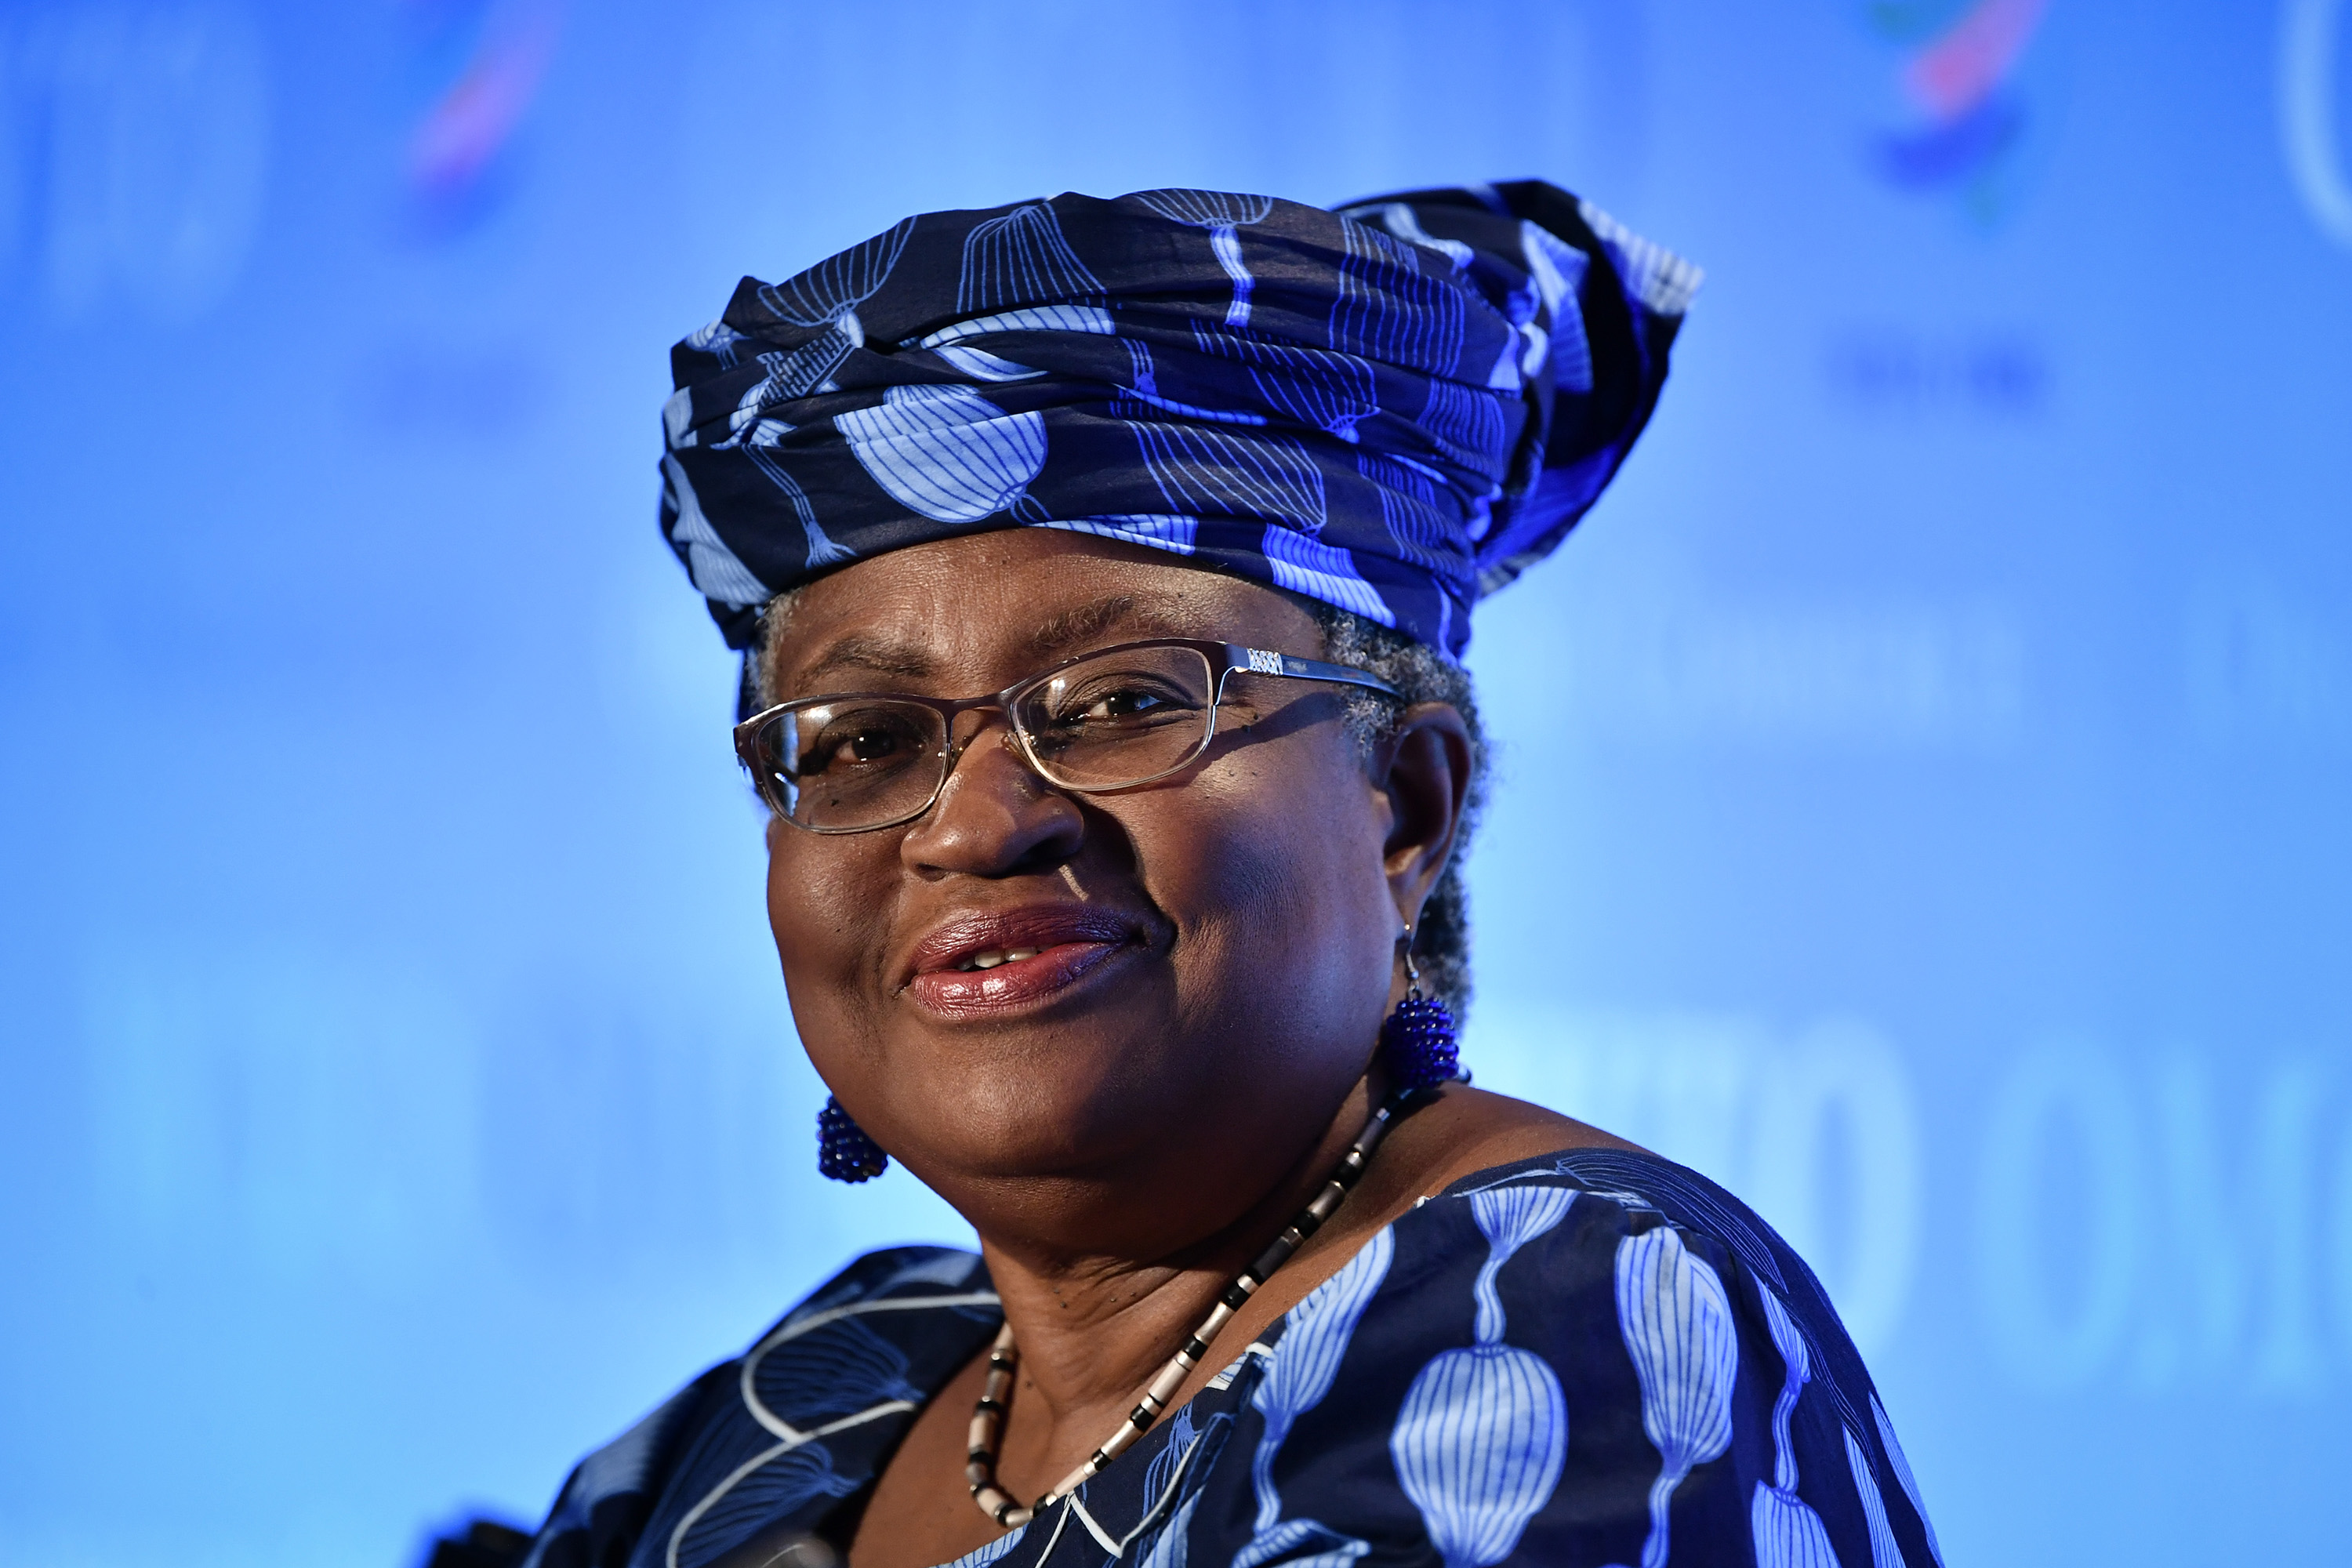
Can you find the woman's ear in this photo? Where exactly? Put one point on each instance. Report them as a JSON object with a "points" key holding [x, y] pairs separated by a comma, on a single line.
{"points": [[1424, 770]]}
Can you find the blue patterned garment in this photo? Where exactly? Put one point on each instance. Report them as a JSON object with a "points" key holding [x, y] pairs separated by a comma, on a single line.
{"points": [[1589, 1358], [1393, 408]]}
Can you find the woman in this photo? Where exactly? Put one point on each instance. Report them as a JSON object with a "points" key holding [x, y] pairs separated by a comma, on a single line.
{"points": [[1100, 569]]}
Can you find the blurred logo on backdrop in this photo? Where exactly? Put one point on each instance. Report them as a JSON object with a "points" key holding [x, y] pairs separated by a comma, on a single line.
{"points": [[2164, 1219], [458, 158], [2310, 114], [476, 66], [1971, 125]]}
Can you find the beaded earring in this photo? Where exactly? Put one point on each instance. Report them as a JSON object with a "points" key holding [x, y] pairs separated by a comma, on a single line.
{"points": [[1419, 1035], [844, 1152]]}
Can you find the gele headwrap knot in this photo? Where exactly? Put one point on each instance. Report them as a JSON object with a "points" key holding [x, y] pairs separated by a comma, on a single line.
{"points": [[1394, 407]]}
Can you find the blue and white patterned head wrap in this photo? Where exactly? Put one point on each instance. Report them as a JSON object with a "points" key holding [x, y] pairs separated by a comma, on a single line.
{"points": [[1394, 408]]}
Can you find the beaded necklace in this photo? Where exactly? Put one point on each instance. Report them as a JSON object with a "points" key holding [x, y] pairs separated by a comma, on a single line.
{"points": [[988, 1415]]}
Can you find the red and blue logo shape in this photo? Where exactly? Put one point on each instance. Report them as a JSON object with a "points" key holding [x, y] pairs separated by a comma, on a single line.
{"points": [[1969, 116]]}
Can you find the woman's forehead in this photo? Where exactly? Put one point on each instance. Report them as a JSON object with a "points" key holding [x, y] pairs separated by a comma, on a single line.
{"points": [[1009, 602]]}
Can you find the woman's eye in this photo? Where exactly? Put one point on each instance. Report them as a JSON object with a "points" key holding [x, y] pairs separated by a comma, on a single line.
{"points": [[853, 743], [1128, 703]]}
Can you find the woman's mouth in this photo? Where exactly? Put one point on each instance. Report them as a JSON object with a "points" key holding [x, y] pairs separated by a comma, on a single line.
{"points": [[999, 963], [992, 958]]}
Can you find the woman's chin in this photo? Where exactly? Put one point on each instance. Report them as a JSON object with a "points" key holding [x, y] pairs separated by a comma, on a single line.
{"points": [[1087, 1113]]}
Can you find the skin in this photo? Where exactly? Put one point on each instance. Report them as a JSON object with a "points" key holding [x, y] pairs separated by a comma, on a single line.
{"points": [[1126, 1133]]}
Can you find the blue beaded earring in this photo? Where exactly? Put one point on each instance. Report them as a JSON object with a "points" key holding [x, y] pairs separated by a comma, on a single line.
{"points": [[1419, 1035], [844, 1152]]}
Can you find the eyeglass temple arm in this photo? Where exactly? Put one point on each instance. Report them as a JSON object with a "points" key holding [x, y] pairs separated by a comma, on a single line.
{"points": [[1265, 661]]}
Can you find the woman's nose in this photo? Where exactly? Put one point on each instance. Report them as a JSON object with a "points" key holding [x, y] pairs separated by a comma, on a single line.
{"points": [[995, 816]]}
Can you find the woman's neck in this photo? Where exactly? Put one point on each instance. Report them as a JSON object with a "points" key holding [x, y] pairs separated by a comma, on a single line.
{"points": [[1094, 1325], [1092, 1328]]}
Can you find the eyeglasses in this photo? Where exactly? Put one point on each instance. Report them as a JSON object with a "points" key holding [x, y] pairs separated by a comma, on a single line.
{"points": [[1104, 721]]}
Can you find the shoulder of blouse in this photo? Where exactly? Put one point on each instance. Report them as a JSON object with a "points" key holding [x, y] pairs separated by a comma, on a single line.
{"points": [[1668, 1249], [606, 1501], [1649, 1190], [1612, 1294]]}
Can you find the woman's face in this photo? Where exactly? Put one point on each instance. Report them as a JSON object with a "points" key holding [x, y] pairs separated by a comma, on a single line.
{"points": [[1211, 955]]}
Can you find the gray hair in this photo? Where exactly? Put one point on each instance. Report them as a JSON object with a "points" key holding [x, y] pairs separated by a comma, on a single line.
{"points": [[1441, 943]]}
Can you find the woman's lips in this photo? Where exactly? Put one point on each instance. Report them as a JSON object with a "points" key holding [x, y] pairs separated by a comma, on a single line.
{"points": [[997, 962], [1013, 983]]}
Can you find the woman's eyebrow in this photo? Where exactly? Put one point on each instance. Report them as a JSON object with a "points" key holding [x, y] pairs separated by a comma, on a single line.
{"points": [[1144, 615], [1147, 616], [858, 650]]}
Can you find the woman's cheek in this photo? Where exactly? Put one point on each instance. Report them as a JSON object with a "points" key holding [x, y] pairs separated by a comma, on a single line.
{"points": [[831, 929], [1240, 875]]}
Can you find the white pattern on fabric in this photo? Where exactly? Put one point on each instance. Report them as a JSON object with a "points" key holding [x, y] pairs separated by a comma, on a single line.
{"points": [[784, 1478], [623, 1465], [677, 420], [835, 1373], [1092, 320], [718, 340], [1789, 1534], [835, 287], [716, 571], [981, 365], [981, 1556], [1797, 1360], [758, 445], [804, 1323], [1208, 472], [719, 1462], [1160, 531], [1483, 1433], [1288, 1545], [1333, 331], [1461, 421], [948, 341], [1388, 310], [1557, 269], [1168, 1548], [1021, 258], [794, 376], [1509, 1217], [1883, 1551], [1325, 391], [1172, 1469], [848, 1368], [1399, 220], [1219, 212], [946, 452], [943, 1266], [1409, 506], [1307, 565], [1143, 386], [1903, 1476], [1677, 1321], [1655, 276], [1297, 1375]]}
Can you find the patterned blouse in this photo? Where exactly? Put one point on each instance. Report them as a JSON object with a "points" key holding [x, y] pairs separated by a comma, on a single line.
{"points": [[1592, 1357]]}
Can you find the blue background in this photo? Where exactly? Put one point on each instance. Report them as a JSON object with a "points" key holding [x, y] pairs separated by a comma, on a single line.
{"points": [[1923, 781]]}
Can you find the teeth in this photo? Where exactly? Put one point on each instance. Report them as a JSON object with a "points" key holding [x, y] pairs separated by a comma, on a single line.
{"points": [[994, 957]]}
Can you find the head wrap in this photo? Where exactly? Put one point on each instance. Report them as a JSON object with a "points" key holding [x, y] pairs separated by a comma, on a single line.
{"points": [[1394, 407]]}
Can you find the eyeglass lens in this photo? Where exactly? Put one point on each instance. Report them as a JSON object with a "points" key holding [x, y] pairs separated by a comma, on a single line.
{"points": [[1132, 715]]}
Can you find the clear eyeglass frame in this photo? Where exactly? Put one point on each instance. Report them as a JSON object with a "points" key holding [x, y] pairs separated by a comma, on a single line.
{"points": [[914, 782]]}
